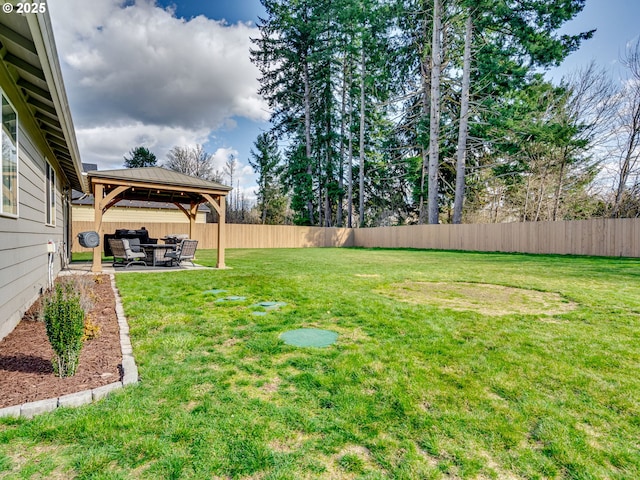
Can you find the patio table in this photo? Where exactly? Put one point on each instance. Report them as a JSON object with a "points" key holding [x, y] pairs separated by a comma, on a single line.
{"points": [[155, 252]]}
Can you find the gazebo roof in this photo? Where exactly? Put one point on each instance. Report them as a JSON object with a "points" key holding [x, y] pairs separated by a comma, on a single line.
{"points": [[156, 184]]}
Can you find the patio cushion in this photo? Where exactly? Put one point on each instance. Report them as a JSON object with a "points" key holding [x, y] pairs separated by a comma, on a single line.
{"points": [[134, 243], [130, 253]]}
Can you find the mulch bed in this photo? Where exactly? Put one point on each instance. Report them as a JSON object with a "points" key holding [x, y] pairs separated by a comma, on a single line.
{"points": [[26, 373]]}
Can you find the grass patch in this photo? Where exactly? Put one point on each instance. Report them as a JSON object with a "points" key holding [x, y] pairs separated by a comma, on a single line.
{"points": [[87, 257], [443, 369], [480, 297]]}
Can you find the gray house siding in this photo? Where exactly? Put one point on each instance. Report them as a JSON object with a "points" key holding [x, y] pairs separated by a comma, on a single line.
{"points": [[31, 81], [23, 241]]}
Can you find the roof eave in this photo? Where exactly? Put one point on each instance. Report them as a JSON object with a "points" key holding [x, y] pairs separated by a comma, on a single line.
{"points": [[42, 32]]}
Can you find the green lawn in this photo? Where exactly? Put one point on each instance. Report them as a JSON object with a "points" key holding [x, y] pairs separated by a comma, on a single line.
{"points": [[438, 372]]}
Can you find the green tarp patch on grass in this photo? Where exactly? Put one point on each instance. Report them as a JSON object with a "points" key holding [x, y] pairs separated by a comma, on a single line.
{"points": [[269, 305], [231, 298], [309, 337]]}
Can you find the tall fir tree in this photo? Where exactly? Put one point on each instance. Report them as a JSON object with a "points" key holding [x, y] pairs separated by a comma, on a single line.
{"points": [[266, 162]]}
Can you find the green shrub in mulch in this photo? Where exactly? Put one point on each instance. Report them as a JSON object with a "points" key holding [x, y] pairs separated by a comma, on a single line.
{"points": [[64, 320]]}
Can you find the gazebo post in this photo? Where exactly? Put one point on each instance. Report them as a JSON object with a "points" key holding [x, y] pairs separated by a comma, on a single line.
{"points": [[97, 225], [193, 213], [221, 227], [220, 207], [101, 204]]}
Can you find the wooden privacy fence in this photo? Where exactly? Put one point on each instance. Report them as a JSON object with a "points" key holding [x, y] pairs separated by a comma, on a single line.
{"points": [[236, 235], [599, 237]]}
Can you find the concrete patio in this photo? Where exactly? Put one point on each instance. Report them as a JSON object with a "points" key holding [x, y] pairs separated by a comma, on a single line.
{"points": [[108, 268]]}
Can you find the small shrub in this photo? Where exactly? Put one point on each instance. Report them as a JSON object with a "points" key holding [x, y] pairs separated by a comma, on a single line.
{"points": [[83, 285], [91, 329], [64, 321]]}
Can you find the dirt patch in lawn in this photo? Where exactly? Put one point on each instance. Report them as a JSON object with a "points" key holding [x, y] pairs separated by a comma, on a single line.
{"points": [[26, 374], [484, 298]]}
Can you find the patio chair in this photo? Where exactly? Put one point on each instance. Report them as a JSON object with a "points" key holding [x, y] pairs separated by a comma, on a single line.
{"points": [[186, 250], [123, 255]]}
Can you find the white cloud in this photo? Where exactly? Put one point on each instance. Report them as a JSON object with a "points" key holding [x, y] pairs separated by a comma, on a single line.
{"points": [[244, 174], [137, 75], [221, 156], [122, 138]]}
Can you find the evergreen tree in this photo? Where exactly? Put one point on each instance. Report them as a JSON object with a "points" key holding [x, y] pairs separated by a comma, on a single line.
{"points": [[416, 105], [140, 157], [285, 53], [266, 162], [306, 53]]}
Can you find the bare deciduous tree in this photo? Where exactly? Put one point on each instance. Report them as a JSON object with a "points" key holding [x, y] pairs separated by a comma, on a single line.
{"points": [[589, 111], [628, 128], [193, 161], [229, 170]]}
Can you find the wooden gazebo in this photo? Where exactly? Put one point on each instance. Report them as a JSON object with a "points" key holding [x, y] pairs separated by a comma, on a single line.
{"points": [[156, 184]]}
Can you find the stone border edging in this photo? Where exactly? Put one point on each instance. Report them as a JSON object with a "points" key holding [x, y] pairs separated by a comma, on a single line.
{"points": [[129, 376]]}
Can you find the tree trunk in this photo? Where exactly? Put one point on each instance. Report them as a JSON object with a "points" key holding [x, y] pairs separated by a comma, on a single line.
{"points": [[523, 217], [543, 184], [350, 173], [434, 121], [320, 190], [343, 119], [623, 178], [424, 152], [558, 193], [362, 113], [461, 154], [327, 200], [329, 172], [307, 135]]}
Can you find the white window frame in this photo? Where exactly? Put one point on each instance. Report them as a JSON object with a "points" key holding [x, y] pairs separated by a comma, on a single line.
{"points": [[50, 194], [16, 185]]}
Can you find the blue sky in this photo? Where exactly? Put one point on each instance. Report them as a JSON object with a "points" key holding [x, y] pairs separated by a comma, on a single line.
{"points": [[617, 22], [165, 73], [231, 10]]}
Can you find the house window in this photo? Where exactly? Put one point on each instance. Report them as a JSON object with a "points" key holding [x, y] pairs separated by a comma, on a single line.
{"points": [[9, 141], [50, 191]]}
